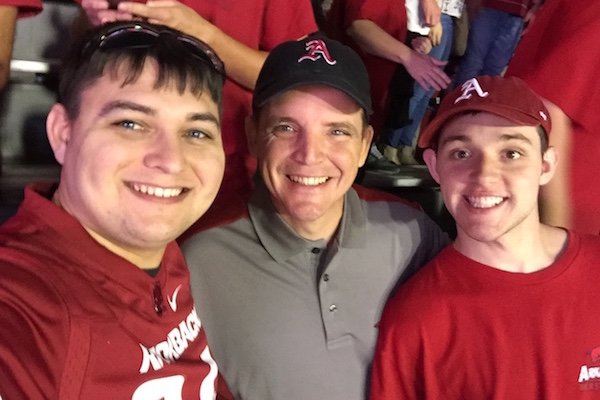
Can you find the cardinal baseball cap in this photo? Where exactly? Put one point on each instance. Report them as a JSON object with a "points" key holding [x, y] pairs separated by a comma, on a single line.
{"points": [[507, 97], [314, 60]]}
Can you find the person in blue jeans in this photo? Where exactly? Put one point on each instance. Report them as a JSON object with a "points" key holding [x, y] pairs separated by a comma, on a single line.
{"points": [[400, 148], [494, 34]]}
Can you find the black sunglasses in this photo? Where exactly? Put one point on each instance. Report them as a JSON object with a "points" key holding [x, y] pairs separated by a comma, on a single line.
{"points": [[131, 35]]}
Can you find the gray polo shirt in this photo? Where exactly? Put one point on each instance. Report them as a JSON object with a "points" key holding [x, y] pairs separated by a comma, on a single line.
{"points": [[289, 318]]}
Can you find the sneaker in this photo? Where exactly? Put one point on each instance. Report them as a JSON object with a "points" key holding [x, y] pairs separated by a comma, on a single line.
{"points": [[375, 151], [391, 154], [406, 155], [381, 165]]}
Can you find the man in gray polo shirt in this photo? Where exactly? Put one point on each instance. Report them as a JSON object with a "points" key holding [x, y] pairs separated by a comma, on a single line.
{"points": [[290, 286]]}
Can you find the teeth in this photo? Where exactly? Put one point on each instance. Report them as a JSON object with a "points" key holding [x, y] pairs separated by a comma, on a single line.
{"points": [[164, 193], [485, 202], [309, 180]]}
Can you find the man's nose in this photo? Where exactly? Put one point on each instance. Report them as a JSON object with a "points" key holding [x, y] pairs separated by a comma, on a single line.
{"points": [[165, 152], [309, 147]]}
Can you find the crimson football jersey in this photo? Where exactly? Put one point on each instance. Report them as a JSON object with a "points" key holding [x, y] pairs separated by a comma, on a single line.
{"points": [[79, 322]]}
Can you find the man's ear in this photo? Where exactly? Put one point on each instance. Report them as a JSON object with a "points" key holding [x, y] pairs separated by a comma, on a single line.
{"points": [[367, 138], [251, 134], [430, 158], [58, 129], [549, 163]]}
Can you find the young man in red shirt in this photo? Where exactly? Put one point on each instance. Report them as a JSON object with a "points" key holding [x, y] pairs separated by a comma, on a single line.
{"points": [[504, 312], [94, 292]]}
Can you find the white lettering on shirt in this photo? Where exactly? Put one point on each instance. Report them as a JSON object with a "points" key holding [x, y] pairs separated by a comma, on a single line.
{"points": [[176, 342]]}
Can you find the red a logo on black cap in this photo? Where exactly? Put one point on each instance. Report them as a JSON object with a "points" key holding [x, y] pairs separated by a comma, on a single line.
{"points": [[315, 50]]}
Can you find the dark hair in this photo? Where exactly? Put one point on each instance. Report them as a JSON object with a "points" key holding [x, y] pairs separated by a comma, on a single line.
{"points": [[86, 62], [543, 138]]}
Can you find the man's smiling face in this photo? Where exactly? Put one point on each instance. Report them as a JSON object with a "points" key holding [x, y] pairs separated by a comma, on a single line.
{"points": [[309, 143], [489, 171], [140, 164]]}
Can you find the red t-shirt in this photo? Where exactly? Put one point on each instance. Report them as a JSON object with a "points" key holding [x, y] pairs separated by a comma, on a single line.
{"points": [[463, 330], [558, 58], [79, 322]]}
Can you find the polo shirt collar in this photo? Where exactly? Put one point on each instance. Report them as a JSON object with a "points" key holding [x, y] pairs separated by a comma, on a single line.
{"points": [[282, 242]]}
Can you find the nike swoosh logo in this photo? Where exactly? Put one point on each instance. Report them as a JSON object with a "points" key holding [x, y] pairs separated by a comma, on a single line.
{"points": [[173, 301]]}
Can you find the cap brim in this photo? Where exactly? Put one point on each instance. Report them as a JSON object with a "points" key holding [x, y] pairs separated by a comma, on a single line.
{"points": [[511, 114], [310, 78]]}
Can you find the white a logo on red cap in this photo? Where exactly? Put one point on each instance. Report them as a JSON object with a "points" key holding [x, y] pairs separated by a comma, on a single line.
{"points": [[468, 87], [317, 49]]}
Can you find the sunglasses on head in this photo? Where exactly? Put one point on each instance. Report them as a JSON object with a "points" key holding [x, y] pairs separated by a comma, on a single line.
{"points": [[132, 35]]}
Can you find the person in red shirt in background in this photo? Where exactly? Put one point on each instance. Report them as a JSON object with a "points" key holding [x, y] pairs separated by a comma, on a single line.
{"points": [[558, 57], [242, 33]]}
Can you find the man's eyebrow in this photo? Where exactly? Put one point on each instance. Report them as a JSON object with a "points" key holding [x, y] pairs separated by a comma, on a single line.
{"points": [[126, 105], [504, 137], [205, 116], [341, 124], [279, 119], [515, 136], [454, 138], [348, 126], [132, 106]]}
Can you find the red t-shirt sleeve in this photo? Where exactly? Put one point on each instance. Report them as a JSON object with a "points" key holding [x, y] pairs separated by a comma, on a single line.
{"points": [[557, 57]]}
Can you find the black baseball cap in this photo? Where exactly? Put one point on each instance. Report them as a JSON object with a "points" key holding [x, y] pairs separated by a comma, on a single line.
{"points": [[314, 60]]}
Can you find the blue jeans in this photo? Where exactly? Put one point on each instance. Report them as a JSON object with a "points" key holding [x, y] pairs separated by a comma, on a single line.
{"points": [[420, 99], [493, 37]]}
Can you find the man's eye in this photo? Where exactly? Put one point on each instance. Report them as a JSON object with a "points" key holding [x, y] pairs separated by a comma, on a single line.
{"points": [[460, 154], [340, 132], [513, 154], [196, 134], [128, 124], [282, 128]]}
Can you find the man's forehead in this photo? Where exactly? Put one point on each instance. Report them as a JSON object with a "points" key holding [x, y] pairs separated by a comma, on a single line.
{"points": [[329, 94], [470, 127]]}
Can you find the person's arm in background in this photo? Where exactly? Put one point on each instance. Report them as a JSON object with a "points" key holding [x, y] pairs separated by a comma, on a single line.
{"points": [[421, 44], [427, 71], [435, 34], [8, 21], [242, 63], [555, 202], [430, 11]]}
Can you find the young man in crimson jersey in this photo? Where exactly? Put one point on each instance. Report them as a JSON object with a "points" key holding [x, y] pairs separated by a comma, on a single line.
{"points": [[507, 311], [94, 293]]}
